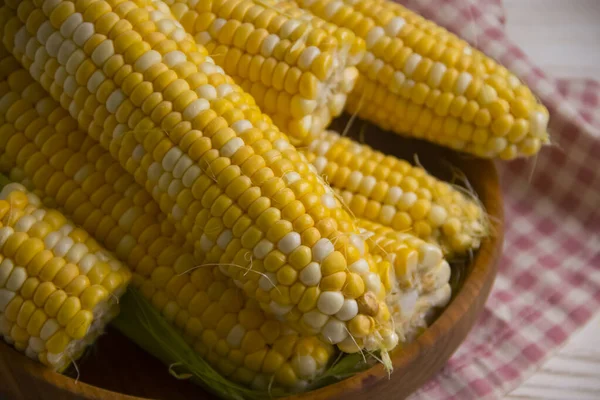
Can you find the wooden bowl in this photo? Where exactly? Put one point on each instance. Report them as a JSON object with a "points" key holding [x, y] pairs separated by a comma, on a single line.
{"points": [[118, 369]]}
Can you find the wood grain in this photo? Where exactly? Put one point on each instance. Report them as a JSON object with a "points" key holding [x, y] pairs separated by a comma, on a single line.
{"points": [[573, 372], [560, 36], [117, 369]]}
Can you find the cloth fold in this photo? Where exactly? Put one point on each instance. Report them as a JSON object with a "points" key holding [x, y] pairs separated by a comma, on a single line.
{"points": [[548, 283]]}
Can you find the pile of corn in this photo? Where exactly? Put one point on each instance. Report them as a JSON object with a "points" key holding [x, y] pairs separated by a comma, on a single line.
{"points": [[166, 130]]}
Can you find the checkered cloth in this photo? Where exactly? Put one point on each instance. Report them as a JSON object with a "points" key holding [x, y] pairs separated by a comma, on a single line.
{"points": [[548, 284]]}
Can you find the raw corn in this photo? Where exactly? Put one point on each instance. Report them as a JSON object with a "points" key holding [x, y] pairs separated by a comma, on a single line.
{"points": [[298, 68], [223, 170], [233, 333], [58, 288], [414, 277], [392, 192], [419, 80], [79, 156], [421, 277]]}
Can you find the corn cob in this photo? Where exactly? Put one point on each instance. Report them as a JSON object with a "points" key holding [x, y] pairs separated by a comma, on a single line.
{"points": [[257, 183], [392, 192], [231, 332], [58, 288], [418, 79], [421, 284], [298, 68], [116, 192], [413, 275]]}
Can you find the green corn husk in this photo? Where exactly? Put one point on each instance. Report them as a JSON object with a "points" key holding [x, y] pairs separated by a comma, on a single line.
{"points": [[140, 322], [4, 181]]}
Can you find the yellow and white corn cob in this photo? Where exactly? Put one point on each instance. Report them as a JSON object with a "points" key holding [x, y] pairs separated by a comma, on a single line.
{"points": [[412, 274], [58, 288], [419, 274], [298, 68], [81, 158], [259, 204], [417, 79], [233, 334], [392, 192]]}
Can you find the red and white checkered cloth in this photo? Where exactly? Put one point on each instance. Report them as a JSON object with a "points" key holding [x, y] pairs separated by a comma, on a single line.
{"points": [[548, 284]]}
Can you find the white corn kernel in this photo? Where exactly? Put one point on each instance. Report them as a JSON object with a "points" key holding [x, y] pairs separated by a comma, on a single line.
{"points": [[50, 327], [348, 311], [429, 255], [334, 331], [16, 279], [268, 45], [360, 267], [63, 246], [373, 36], [278, 309], [330, 303], [304, 366], [267, 281], [412, 63], [241, 126], [235, 336], [309, 54], [231, 147], [394, 26], [315, 319], [171, 158], [52, 239], [332, 8], [463, 82], [311, 274], [328, 200], [83, 32], [224, 238], [87, 263], [407, 200], [373, 282], [289, 242], [24, 223], [174, 58], [322, 249], [103, 52], [262, 249], [195, 108], [359, 243], [77, 252], [5, 297]]}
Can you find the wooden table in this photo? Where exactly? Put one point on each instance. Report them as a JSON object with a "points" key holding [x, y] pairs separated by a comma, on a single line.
{"points": [[563, 37]]}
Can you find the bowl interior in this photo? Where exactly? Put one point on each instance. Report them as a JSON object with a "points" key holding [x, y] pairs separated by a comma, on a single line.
{"points": [[117, 369]]}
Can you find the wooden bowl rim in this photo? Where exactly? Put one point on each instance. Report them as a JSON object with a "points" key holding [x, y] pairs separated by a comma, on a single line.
{"points": [[459, 305]]}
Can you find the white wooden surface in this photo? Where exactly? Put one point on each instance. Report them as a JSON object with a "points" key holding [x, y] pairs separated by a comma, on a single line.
{"points": [[573, 373], [563, 38]]}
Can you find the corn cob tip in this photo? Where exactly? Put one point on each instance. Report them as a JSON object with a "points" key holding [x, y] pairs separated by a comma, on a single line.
{"points": [[392, 192], [56, 295], [419, 80], [299, 68]]}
